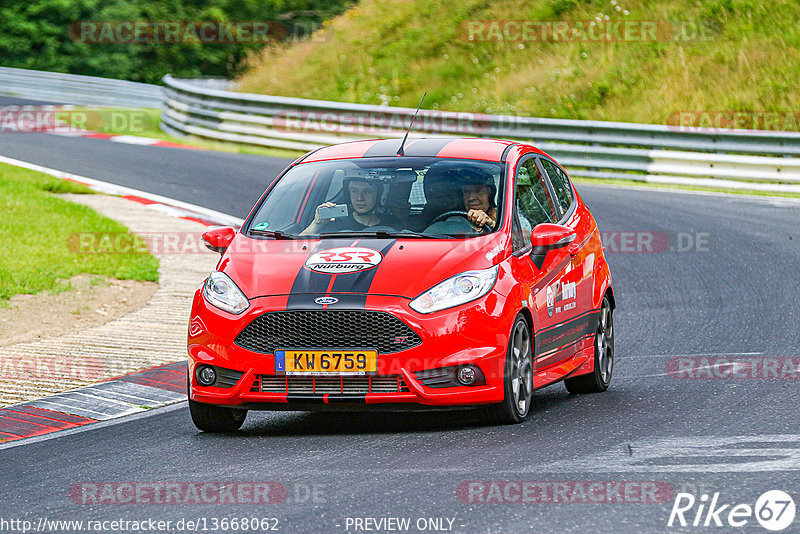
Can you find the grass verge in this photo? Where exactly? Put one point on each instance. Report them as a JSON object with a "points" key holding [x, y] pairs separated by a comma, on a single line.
{"points": [[35, 229], [714, 55]]}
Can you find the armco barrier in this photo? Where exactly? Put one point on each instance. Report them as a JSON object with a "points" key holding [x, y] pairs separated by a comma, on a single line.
{"points": [[762, 160], [758, 160], [58, 88]]}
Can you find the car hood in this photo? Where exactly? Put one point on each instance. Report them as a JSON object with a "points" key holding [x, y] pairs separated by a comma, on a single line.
{"points": [[401, 267]]}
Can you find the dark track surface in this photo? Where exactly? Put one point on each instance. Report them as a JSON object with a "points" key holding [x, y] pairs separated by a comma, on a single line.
{"points": [[737, 294], [14, 101]]}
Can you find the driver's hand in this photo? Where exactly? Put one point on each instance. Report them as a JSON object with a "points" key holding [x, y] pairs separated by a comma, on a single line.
{"points": [[479, 219]]}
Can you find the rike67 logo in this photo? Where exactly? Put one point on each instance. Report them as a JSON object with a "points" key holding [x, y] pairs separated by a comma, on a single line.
{"points": [[774, 510]]}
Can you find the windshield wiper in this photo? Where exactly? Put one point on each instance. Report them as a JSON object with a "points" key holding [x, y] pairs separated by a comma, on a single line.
{"points": [[381, 234], [272, 233]]}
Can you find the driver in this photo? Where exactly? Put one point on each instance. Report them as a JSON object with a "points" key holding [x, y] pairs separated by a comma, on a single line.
{"points": [[363, 200], [479, 193]]}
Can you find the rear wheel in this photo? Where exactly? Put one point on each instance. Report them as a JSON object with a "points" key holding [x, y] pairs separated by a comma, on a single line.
{"points": [[211, 418], [518, 378], [598, 380]]}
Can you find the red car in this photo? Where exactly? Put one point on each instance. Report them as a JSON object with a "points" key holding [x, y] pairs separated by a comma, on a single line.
{"points": [[445, 273]]}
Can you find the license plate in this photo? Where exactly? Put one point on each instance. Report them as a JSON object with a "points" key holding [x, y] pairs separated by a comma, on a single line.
{"points": [[326, 361]]}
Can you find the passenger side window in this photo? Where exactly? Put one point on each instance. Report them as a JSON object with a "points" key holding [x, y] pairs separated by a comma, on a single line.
{"points": [[560, 183], [534, 205]]}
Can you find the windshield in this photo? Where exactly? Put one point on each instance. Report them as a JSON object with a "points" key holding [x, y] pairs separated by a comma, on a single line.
{"points": [[423, 197]]}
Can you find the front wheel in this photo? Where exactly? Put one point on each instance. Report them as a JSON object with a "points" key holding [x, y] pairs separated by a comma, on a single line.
{"points": [[598, 380], [518, 378], [211, 418]]}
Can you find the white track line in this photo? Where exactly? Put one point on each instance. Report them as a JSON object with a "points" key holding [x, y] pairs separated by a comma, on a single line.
{"points": [[113, 189]]}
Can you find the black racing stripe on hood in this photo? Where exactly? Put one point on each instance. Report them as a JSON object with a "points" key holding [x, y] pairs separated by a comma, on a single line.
{"points": [[358, 284], [361, 281], [347, 301], [308, 281]]}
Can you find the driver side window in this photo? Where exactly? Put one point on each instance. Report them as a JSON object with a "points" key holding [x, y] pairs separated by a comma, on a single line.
{"points": [[533, 204]]}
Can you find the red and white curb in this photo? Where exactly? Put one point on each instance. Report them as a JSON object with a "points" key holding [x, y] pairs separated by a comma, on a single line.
{"points": [[124, 396], [165, 205], [23, 119], [127, 139], [119, 397]]}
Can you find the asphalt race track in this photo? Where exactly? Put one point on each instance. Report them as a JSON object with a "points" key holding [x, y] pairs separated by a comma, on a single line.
{"points": [[712, 276]]}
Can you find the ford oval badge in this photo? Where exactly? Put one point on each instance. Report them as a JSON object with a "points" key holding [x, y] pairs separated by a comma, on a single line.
{"points": [[326, 300]]}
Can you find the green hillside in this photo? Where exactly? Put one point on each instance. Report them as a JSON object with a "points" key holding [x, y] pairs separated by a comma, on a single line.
{"points": [[741, 55]]}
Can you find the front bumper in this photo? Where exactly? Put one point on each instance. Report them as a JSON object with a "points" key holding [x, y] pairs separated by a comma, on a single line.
{"points": [[475, 333]]}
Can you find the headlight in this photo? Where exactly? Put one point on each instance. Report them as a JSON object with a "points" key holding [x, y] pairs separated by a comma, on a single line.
{"points": [[459, 289], [220, 291]]}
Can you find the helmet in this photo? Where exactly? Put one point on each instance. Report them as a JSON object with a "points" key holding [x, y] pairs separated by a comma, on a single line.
{"points": [[374, 184]]}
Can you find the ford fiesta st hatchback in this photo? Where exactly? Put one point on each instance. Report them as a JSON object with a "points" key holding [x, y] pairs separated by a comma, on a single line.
{"points": [[464, 272]]}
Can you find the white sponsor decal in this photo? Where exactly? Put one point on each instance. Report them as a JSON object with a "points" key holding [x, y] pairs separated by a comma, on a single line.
{"points": [[344, 260], [567, 291]]}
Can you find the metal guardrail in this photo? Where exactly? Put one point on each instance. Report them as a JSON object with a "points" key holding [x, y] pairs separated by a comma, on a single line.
{"points": [[58, 88], [761, 160]]}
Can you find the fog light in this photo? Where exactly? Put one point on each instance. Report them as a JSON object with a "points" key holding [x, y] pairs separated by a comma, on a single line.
{"points": [[206, 375], [466, 375]]}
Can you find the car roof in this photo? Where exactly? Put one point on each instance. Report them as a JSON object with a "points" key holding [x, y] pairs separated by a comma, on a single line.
{"points": [[440, 147]]}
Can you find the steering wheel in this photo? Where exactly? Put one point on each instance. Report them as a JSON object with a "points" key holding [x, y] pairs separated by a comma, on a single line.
{"points": [[458, 213]]}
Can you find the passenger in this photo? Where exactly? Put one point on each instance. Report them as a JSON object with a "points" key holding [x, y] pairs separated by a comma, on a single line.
{"points": [[363, 201]]}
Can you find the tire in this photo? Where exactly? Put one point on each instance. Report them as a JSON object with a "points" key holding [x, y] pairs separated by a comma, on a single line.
{"points": [[517, 379], [598, 380], [211, 418]]}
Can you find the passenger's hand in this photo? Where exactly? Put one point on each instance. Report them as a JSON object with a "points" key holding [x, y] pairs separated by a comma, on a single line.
{"points": [[317, 220], [479, 219], [316, 224]]}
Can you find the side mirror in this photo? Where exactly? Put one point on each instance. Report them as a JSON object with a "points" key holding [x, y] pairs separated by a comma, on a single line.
{"points": [[219, 239], [546, 237]]}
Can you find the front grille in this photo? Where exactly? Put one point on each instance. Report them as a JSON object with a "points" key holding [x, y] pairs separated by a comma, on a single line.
{"points": [[339, 329], [320, 385]]}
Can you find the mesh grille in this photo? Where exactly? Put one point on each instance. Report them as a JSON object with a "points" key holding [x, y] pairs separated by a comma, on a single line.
{"points": [[320, 385], [340, 329]]}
